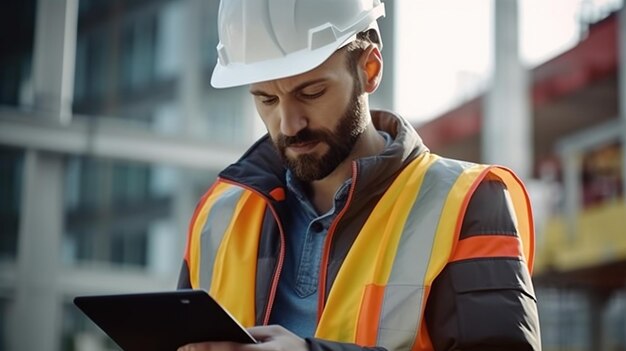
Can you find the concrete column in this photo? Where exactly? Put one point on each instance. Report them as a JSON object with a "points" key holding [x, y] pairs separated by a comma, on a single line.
{"points": [[506, 132], [54, 56], [191, 79], [621, 42], [36, 311]]}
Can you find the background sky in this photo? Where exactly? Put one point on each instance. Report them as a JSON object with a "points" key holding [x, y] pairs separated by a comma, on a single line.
{"points": [[444, 47]]}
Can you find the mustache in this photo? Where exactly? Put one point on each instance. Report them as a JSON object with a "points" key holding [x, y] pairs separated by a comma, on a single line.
{"points": [[303, 136]]}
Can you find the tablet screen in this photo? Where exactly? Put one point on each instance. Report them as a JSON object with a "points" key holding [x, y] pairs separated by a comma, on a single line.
{"points": [[162, 320]]}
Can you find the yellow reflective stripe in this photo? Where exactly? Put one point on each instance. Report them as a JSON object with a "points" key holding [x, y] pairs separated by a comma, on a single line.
{"points": [[451, 219], [234, 274], [213, 232], [456, 205], [406, 287], [196, 233], [371, 257], [402, 204], [523, 212]]}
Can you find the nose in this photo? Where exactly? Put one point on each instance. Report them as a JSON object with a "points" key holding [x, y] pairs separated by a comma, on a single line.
{"points": [[292, 118]]}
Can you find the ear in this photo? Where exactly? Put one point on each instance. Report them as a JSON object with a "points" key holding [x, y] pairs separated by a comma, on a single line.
{"points": [[372, 65]]}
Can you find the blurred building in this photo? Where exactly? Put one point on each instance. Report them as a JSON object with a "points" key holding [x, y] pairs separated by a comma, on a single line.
{"points": [[576, 122], [109, 134]]}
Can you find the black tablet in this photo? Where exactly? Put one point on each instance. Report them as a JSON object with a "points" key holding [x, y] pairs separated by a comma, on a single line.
{"points": [[162, 321]]}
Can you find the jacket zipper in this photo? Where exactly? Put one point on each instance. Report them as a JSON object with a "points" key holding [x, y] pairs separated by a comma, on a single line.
{"points": [[281, 253], [321, 296]]}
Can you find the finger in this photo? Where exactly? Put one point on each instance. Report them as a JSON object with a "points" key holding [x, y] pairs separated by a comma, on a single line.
{"points": [[266, 331]]}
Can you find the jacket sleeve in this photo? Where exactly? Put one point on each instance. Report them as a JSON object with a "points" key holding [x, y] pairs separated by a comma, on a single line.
{"points": [[484, 303]]}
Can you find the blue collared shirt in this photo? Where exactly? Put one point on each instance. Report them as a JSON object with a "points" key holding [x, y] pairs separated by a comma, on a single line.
{"points": [[296, 298], [295, 307]]}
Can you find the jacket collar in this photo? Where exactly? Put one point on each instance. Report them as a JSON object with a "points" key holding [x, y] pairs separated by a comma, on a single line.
{"points": [[261, 168]]}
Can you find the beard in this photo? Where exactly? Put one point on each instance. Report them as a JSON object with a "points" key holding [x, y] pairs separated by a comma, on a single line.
{"points": [[341, 141]]}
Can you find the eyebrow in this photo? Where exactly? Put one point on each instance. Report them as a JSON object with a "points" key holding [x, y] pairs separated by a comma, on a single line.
{"points": [[258, 92]]}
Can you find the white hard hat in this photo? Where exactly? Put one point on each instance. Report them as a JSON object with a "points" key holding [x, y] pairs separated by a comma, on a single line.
{"points": [[270, 39]]}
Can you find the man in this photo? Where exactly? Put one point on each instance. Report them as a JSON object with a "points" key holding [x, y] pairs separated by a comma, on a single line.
{"points": [[339, 230]]}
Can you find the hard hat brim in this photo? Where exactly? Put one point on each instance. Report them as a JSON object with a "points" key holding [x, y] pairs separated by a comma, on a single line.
{"points": [[238, 74]]}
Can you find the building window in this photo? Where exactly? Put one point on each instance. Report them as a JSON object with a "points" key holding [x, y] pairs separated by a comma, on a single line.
{"points": [[3, 324], [114, 210], [116, 73], [565, 318], [11, 168], [615, 321], [602, 174], [17, 25]]}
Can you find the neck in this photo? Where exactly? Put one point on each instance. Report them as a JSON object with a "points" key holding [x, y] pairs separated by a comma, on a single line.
{"points": [[322, 191]]}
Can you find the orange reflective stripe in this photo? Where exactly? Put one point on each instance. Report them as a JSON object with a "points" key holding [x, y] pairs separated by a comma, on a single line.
{"points": [[523, 212], [487, 246], [234, 274], [369, 316]]}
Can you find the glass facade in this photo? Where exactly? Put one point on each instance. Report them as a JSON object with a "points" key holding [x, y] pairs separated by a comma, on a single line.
{"points": [[17, 25], [130, 68], [115, 210], [117, 50], [11, 167], [3, 324], [567, 314], [122, 219], [564, 317], [615, 319]]}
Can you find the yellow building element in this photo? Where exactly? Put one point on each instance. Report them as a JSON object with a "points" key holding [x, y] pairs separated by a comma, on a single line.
{"points": [[598, 236]]}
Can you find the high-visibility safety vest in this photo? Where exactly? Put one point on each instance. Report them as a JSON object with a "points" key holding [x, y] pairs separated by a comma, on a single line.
{"points": [[379, 294]]}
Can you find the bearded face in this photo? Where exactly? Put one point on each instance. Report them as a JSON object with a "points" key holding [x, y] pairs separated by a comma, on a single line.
{"points": [[308, 167]]}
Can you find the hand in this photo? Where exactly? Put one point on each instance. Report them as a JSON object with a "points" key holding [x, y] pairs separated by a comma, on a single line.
{"points": [[270, 338]]}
